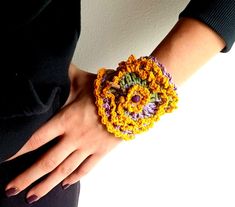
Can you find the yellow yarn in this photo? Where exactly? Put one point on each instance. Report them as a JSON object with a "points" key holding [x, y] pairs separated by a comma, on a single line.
{"points": [[143, 79]]}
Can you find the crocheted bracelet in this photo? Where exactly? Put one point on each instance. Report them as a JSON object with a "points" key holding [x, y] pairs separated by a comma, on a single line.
{"points": [[132, 97]]}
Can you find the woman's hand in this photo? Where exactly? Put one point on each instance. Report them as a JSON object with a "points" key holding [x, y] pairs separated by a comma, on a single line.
{"points": [[83, 141]]}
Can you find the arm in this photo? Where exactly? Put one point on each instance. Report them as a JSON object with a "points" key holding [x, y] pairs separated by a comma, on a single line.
{"points": [[205, 28], [187, 47]]}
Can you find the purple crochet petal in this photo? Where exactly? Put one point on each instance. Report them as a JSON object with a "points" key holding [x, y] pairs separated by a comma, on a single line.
{"points": [[106, 105], [150, 109]]}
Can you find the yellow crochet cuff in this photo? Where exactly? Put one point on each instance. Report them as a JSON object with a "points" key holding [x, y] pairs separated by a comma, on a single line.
{"points": [[132, 97]]}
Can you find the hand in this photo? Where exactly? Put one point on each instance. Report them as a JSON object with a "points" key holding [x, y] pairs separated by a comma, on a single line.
{"points": [[83, 141]]}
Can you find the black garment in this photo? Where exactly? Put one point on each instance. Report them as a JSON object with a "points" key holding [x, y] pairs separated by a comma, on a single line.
{"points": [[37, 41], [217, 14]]}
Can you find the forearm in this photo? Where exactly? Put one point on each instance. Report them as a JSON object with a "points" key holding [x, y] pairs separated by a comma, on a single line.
{"points": [[188, 46]]}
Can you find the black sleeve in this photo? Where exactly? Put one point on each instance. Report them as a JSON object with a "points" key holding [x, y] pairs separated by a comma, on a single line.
{"points": [[217, 14]]}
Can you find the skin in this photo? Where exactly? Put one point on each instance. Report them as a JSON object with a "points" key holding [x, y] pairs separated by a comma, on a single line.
{"points": [[185, 49]]}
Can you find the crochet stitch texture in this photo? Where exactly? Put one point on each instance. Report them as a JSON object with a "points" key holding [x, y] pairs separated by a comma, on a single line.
{"points": [[134, 96]]}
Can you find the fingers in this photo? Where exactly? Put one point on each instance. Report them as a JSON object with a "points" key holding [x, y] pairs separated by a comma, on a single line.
{"points": [[48, 162], [76, 165], [82, 170], [51, 129], [61, 172]]}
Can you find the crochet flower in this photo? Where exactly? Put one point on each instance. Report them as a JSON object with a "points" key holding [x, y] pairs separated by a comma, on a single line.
{"points": [[131, 98]]}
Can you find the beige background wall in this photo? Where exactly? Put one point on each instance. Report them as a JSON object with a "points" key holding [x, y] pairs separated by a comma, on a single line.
{"points": [[111, 30]]}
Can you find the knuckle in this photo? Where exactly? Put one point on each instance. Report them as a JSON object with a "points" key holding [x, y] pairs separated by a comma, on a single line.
{"points": [[82, 172], [35, 141], [48, 164], [64, 170], [62, 122], [67, 116], [64, 118]]}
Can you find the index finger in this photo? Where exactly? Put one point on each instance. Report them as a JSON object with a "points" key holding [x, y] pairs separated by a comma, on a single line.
{"points": [[48, 131]]}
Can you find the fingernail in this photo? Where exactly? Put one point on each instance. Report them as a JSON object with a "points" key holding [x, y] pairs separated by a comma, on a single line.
{"points": [[11, 192], [32, 199], [65, 186]]}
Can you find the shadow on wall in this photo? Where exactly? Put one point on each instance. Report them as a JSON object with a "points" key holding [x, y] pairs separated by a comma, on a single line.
{"points": [[112, 30]]}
